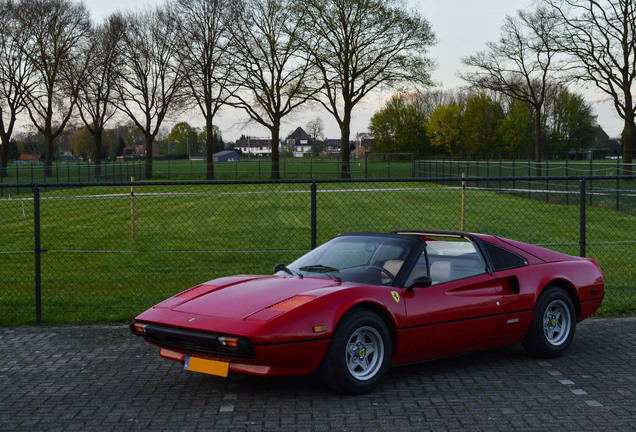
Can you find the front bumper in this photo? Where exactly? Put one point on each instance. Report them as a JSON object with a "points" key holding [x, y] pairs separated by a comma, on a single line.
{"points": [[288, 358], [193, 341]]}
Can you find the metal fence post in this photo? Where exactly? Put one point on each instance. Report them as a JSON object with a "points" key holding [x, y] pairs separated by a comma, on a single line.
{"points": [[412, 164], [38, 255], [366, 160], [582, 217], [618, 184], [591, 174], [314, 230], [567, 185]]}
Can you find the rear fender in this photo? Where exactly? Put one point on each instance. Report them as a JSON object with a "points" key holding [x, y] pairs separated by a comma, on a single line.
{"points": [[569, 289]]}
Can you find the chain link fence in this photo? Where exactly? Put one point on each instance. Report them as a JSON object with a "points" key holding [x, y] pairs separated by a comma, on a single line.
{"points": [[84, 253]]}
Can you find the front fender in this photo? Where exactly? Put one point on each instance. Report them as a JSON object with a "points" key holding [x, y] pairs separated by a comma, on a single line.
{"points": [[319, 317]]}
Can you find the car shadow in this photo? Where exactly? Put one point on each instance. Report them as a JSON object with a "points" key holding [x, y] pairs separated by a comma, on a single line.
{"points": [[485, 364]]}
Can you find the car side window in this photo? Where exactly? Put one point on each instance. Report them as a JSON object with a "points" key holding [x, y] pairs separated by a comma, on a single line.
{"points": [[453, 258], [449, 258]]}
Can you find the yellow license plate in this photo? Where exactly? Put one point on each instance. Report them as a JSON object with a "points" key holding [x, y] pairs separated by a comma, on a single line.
{"points": [[212, 367]]}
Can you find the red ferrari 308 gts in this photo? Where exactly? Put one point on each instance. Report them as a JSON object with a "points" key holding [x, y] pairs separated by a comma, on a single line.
{"points": [[362, 302]]}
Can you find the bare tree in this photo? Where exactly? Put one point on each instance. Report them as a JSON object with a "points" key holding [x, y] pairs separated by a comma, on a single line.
{"points": [[316, 129], [15, 77], [95, 100], [204, 38], [600, 35], [426, 101], [57, 32], [522, 65], [360, 45], [151, 80], [269, 68]]}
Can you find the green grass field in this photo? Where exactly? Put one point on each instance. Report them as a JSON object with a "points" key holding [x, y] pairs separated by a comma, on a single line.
{"points": [[397, 166], [247, 169], [94, 271], [376, 166]]}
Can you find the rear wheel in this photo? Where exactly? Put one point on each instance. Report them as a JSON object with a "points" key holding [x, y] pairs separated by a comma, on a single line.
{"points": [[359, 354], [553, 324]]}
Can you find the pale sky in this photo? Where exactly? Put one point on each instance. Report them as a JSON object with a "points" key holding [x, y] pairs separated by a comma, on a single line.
{"points": [[462, 28]]}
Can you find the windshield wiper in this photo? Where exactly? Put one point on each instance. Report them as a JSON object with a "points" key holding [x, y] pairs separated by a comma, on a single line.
{"points": [[319, 268], [286, 269]]}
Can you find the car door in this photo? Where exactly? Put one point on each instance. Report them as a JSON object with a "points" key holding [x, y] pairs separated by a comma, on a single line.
{"points": [[459, 311]]}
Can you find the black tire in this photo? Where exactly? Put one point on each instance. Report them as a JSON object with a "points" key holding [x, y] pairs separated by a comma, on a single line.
{"points": [[553, 324], [359, 354]]}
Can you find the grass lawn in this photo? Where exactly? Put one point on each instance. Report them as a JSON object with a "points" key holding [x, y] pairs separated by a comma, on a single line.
{"points": [[395, 166], [94, 271]]}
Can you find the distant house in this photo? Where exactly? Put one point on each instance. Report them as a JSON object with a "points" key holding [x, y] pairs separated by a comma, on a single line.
{"points": [[363, 146], [258, 147], [613, 146], [299, 142], [140, 148], [226, 156], [69, 158], [332, 144], [601, 146]]}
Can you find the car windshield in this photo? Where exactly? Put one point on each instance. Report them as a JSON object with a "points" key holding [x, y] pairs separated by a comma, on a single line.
{"points": [[356, 258]]}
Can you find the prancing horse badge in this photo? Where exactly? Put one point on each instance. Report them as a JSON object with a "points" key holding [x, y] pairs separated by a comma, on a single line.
{"points": [[396, 296]]}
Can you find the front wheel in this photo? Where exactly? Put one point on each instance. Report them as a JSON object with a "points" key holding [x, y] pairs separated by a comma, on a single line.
{"points": [[359, 354], [553, 324]]}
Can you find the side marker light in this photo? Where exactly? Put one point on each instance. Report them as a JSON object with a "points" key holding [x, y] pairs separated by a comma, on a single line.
{"points": [[140, 328]]}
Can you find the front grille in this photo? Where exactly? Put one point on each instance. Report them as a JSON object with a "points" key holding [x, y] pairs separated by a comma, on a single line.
{"points": [[194, 341]]}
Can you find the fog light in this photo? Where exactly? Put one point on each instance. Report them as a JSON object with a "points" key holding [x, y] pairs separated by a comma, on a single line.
{"points": [[229, 342]]}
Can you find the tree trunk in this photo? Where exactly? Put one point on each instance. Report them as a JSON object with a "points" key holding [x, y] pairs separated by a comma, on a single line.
{"points": [[149, 139], [48, 149], [345, 156], [537, 140], [98, 154], [275, 156], [210, 140], [629, 139], [4, 154]]}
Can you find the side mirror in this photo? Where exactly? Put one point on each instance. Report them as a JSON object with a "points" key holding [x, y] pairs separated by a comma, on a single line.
{"points": [[280, 266], [421, 282]]}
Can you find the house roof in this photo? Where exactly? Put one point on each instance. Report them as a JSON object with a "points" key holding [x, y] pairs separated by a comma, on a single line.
{"points": [[28, 157], [299, 134], [368, 142]]}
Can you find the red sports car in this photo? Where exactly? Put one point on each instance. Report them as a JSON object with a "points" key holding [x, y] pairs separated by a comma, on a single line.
{"points": [[362, 302]]}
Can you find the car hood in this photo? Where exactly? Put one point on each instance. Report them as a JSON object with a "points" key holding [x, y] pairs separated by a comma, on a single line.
{"points": [[240, 297]]}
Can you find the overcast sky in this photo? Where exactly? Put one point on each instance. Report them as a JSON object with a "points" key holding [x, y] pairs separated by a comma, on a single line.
{"points": [[462, 28]]}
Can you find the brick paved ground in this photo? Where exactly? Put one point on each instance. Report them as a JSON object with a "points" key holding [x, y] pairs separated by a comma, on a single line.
{"points": [[104, 379]]}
